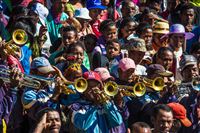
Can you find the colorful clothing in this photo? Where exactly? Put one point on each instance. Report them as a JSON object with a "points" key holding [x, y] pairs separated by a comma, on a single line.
{"points": [[89, 118]]}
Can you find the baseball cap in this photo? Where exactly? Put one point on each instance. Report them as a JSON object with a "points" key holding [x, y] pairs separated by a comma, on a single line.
{"points": [[179, 113], [158, 69], [41, 10], [42, 65], [187, 60], [136, 44], [82, 13], [93, 4], [126, 63], [92, 75], [104, 73]]}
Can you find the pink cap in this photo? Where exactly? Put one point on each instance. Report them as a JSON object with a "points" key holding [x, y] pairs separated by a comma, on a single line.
{"points": [[126, 63], [104, 73]]}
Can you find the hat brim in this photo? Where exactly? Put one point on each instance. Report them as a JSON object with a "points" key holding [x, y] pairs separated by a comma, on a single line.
{"points": [[97, 7], [188, 35], [46, 69], [161, 32], [186, 122], [82, 17], [187, 64], [166, 74]]}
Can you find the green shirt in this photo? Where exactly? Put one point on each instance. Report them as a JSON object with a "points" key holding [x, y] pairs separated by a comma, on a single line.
{"points": [[54, 28]]}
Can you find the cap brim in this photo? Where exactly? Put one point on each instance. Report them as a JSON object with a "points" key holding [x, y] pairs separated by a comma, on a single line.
{"points": [[46, 69], [187, 64], [166, 74], [186, 122], [97, 7], [188, 35]]}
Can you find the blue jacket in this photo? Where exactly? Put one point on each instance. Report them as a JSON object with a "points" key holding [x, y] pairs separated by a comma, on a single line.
{"points": [[90, 118]]}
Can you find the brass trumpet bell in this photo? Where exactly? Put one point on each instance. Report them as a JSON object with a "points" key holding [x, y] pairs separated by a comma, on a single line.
{"points": [[20, 37], [81, 85], [111, 89], [139, 89], [156, 84]]}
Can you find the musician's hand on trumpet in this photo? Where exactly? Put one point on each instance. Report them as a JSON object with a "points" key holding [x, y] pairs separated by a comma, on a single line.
{"points": [[15, 77]]}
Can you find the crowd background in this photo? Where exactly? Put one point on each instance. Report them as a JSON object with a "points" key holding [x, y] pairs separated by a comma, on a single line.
{"points": [[100, 66]]}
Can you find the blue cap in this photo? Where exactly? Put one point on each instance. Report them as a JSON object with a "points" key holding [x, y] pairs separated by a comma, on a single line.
{"points": [[93, 4], [42, 65]]}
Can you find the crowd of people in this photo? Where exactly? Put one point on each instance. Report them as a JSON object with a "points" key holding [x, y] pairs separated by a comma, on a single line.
{"points": [[100, 66]]}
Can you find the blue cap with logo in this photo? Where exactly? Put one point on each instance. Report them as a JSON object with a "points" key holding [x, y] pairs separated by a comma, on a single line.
{"points": [[93, 4], [42, 65]]}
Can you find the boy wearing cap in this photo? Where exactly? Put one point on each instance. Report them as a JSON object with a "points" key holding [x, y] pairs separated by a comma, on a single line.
{"points": [[93, 113], [95, 8]]}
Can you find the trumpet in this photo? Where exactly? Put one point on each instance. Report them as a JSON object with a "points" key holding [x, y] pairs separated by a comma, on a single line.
{"points": [[156, 84], [19, 38], [27, 80], [80, 84], [112, 88], [195, 84]]}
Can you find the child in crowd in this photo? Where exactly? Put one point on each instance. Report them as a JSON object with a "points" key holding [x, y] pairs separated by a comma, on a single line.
{"points": [[109, 32], [95, 8], [127, 29]]}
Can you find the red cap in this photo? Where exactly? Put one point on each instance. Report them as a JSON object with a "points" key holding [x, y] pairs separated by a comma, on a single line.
{"points": [[92, 75], [179, 112]]}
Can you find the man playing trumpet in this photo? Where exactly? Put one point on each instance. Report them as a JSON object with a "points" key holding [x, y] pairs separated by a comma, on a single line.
{"points": [[95, 112], [47, 95]]}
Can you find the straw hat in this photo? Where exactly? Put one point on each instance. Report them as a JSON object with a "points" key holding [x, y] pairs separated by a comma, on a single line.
{"points": [[161, 28]]}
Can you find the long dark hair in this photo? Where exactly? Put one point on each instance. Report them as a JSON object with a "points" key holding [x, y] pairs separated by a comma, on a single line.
{"points": [[111, 10]]}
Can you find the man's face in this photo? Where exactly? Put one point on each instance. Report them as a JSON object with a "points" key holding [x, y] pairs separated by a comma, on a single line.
{"points": [[190, 72], [147, 36], [69, 38], [53, 122], [93, 91], [129, 11], [166, 60], [127, 75], [137, 56], [163, 121], [177, 41], [187, 17]]}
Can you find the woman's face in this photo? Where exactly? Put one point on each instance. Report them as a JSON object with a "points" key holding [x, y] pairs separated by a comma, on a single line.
{"points": [[128, 29], [113, 50], [78, 53], [110, 33]]}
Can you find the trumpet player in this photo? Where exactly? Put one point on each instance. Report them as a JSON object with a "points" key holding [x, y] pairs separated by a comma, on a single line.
{"points": [[94, 112], [9, 95], [48, 95], [189, 71]]}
